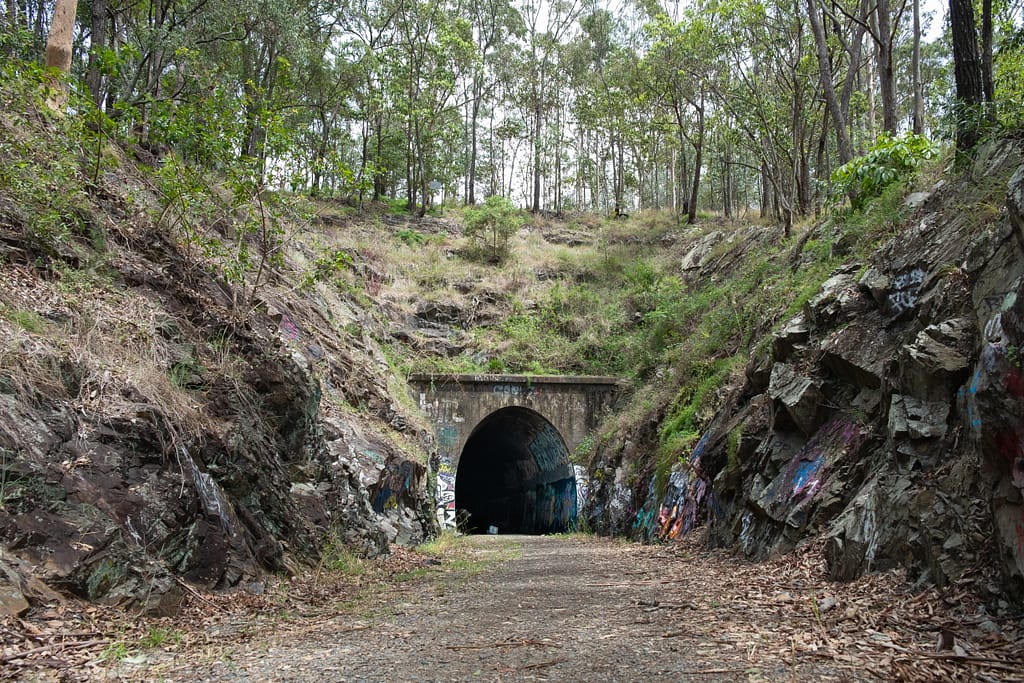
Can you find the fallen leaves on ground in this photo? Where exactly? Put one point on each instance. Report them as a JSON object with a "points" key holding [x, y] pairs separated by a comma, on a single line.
{"points": [[877, 625], [75, 639]]}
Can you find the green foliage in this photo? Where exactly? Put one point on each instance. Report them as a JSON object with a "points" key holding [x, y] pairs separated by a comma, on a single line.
{"points": [[892, 159], [114, 652], [412, 238], [493, 223], [28, 320], [158, 636], [340, 558], [257, 219], [330, 264], [40, 175]]}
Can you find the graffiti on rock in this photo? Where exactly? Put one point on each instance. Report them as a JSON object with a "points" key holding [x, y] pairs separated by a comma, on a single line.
{"points": [[747, 533], [806, 472], [397, 486], [687, 492], [905, 291], [288, 328]]}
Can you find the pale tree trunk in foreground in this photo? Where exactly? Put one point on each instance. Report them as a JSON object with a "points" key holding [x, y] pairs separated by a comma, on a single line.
{"points": [[58, 46], [62, 28]]}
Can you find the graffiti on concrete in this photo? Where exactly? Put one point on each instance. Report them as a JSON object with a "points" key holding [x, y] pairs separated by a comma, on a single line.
{"points": [[582, 485], [548, 449], [555, 505], [447, 437], [446, 500], [905, 291]]}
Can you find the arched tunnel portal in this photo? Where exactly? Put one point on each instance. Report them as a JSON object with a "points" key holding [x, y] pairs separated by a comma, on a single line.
{"points": [[514, 474]]}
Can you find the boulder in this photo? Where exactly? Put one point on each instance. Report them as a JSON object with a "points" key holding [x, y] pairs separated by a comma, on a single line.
{"points": [[859, 535], [1015, 202], [838, 300], [792, 335], [938, 360], [19, 588], [913, 418], [438, 314], [904, 294], [698, 255], [799, 397], [858, 353], [876, 283]]}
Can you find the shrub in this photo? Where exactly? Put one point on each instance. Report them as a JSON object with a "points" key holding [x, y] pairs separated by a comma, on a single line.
{"points": [[892, 159], [493, 223]]}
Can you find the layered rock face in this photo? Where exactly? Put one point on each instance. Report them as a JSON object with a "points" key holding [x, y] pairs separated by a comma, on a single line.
{"points": [[887, 415], [167, 441]]}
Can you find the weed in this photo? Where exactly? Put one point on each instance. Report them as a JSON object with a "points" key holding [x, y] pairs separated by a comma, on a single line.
{"points": [[158, 636], [410, 237], [28, 320], [114, 652]]}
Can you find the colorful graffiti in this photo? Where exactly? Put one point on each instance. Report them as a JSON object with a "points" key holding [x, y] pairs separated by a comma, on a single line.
{"points": [[288, 328], [397, 485], [555, 509], [675, 513]]}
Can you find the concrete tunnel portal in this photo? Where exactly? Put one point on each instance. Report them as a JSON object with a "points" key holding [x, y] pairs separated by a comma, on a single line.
{"points": [[514, 474]]}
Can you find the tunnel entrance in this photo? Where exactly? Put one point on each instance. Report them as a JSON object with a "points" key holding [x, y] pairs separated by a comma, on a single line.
{"points": [[514, 474]]}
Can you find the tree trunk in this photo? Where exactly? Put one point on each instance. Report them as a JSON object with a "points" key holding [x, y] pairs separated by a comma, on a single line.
{"points": [[886, 78], [473, 136], [854, 50], [536, 155], [98, 40], [62, 30], [915, 66], [765, 190], [966, 71], [697, 160], [987, 85], [843, 145]]}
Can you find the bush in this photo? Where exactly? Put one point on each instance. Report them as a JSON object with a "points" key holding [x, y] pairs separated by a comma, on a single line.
{"points": [[493, 223], [892, 159]]}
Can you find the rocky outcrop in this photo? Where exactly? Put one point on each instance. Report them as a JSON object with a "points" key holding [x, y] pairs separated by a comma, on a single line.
{"points": [[888, 416], [175, 439]]}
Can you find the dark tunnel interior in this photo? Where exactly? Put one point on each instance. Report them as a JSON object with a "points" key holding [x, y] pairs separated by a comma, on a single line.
{"points": [[514, 474]]}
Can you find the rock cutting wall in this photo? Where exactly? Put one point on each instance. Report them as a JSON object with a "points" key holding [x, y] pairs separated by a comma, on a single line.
{"points": [[887, 415], [114, 487]]}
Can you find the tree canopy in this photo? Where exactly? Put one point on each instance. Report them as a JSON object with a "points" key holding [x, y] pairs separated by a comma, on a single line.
{"points": [[556, 105]]}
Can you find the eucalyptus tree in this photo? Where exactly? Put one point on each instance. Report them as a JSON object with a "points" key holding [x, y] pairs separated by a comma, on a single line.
{"points": [[548, 25], [493, 22], [58, 42], [771, 95], [368, 43], [682, 68], [436, 47]]}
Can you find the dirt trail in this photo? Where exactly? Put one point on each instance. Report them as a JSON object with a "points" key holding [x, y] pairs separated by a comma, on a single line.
{"points": [[565, 609]]}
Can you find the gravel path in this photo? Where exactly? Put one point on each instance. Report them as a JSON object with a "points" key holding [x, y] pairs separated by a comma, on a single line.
{"points": [[562, 609]]}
